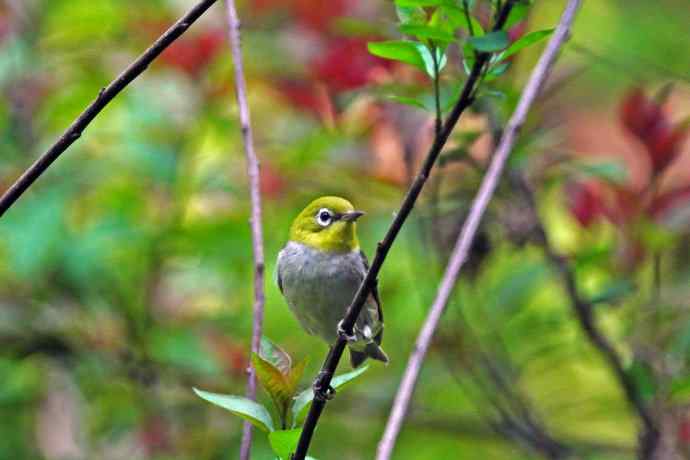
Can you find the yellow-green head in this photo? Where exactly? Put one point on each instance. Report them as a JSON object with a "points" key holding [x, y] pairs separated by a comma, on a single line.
{"points": [[327, 224]]}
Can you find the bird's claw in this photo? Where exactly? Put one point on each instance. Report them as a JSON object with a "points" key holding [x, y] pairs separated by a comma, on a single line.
{"points": [[345, 336], [322, 392]]}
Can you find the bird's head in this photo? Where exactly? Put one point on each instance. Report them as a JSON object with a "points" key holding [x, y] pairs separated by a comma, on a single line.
{"points": [[327, 224]]}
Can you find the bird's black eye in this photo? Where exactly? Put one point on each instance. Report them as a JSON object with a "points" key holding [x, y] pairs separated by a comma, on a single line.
{"points": [[324, 217]]}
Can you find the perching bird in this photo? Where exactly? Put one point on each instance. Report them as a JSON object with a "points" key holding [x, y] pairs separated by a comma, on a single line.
{"points": [[319, 271]]}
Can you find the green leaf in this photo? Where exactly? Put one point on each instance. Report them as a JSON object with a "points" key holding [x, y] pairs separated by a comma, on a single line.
{"points": [[468, 58], [427, 32], [493, 41], [304, 399], [613, 291], [409, 52], [610, 171], [644, 377], [428, 59], [284, 442], [517, 14], [407, 101], [680, 390], [275, 355], [529, 39], [398, 50], [458, 19], [497, 70], [245, 408]]}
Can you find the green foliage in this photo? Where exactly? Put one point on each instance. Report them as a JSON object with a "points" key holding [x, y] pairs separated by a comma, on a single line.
{"points": [[244, 408], [432, 27], [281, 385], [284, 442], [279, 378], [127, 268], [523, 42]]}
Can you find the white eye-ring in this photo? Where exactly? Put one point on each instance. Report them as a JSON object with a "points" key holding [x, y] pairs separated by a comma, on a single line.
{"points": [[324, 217]]}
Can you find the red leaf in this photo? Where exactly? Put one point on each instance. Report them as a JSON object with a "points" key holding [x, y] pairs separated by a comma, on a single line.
{"points": [[155, 436], [517, 31], [684, 432], [645, 119], [319, 14], [314, 14], [625, 206], [584, 202], [663, 144], [638, 113], [346, 64], [192, 54]]}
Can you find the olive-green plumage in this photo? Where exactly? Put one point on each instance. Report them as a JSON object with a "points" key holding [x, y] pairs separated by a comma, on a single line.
{"points": [[319, 271]]}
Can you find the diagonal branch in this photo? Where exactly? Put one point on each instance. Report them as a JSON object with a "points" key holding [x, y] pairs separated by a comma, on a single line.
{"points": [[255, 192], [106, 95], [328, 369], [585, 315], [461, 250]]}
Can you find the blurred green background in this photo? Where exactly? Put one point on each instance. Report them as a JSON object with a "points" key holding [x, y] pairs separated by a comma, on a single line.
{"points": [[125, 272]]}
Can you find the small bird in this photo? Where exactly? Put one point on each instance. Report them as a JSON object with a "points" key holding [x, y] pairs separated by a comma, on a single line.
{"points": [[319, 271]]}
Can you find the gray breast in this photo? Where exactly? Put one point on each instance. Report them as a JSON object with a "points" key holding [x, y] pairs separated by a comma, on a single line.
{"points": [[319, 286]]}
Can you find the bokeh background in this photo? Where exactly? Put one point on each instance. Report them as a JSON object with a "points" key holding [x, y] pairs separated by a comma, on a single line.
{"points": [[125, 272]]}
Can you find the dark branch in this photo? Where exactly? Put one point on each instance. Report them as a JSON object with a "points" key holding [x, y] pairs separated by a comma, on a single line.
{"points": [[585, 315], [328, 369], [255, 193], [106, 95], [469, 229]]}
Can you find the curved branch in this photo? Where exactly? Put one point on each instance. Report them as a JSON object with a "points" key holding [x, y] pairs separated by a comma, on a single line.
{"points": [[106, 95], [255, 195], [328, 369], [469, 229]]}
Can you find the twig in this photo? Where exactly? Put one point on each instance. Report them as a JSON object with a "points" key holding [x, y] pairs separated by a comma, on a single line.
{"points": [[255, 221], [461, 250], [328, 369], [106, 94], [466, 7], [585, 315]]}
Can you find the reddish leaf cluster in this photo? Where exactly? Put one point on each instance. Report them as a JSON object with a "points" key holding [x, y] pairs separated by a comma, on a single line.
{"points": [[584, 202], [192, 53], [346, 64], [645, 119], [229, 354]]}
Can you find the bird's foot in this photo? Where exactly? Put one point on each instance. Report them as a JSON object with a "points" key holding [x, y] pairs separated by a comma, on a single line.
{"points": [[344, 335], [322, 391]]}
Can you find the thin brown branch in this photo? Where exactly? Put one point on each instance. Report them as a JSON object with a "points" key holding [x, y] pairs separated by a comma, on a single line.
{"points": [[328, 369], [461, 250], [255, 222], [106, 95], [585, 315]]}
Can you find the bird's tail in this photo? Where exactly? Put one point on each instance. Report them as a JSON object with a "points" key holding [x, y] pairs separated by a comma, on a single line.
{"points": [[371, 350]]}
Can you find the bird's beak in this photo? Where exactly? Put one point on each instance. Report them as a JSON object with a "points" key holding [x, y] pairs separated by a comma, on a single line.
{"points": [[352, 216]]}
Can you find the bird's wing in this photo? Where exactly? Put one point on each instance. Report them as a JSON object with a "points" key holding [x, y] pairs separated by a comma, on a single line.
{"points": [[279, 280], [375, 288]]}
